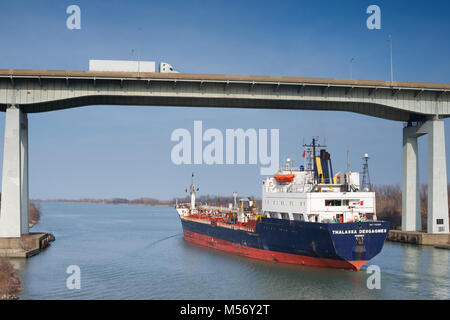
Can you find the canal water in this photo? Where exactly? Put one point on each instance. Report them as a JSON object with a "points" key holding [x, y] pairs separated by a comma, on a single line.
{"points": [[138, 252]]}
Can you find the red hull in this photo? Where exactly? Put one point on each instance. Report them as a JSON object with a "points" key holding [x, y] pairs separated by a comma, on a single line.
{"points": [[268, 255]]}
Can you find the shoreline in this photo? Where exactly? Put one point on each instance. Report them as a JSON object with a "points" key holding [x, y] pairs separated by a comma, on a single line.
{"points": [[88, 202]]}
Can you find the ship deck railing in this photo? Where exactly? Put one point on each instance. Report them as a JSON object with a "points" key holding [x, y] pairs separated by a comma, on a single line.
{"points": [[250, 225]]}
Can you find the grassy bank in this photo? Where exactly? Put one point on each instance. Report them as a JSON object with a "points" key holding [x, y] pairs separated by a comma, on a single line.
{"points": [[10, 284]]}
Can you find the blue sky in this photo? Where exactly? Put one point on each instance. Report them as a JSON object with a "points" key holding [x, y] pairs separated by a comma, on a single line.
{"points": [[106, 151]]}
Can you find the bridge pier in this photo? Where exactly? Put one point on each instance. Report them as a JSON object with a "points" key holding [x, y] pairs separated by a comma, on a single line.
{"points": [[437, 221], [14, 202], [411, 219]]}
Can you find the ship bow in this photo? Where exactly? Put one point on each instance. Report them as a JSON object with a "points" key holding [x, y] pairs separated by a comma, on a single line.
{"points": [[358, 242]]}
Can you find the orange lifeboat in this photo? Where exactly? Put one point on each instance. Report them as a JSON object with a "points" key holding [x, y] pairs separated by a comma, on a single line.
{"points": [[284, 177]]}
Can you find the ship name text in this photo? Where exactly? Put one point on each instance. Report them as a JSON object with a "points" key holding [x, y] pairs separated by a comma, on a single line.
{"points": [[359, 231]]}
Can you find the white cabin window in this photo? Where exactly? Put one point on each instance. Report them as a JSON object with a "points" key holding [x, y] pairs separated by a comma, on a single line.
{"points": [[298, 217], [284, 215], [275, 215]]}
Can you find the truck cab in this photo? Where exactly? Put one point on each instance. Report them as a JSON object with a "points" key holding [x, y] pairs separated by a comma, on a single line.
{"points": [[164, 67]]}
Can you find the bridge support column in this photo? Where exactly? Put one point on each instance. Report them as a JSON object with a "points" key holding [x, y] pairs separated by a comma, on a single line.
{"points": [[437, 178], [14, 202], [437, 221], [411, 219]]}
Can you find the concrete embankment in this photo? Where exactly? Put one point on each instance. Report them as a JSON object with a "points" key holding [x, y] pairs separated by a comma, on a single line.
{"points": [[26, 246], [415, 237]]}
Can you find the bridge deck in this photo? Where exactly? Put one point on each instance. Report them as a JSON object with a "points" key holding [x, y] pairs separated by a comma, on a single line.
{"points": [[49, 90], [18, 73]]}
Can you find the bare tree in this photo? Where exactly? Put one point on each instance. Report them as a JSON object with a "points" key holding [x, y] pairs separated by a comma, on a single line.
{"points": [[34, 214]]}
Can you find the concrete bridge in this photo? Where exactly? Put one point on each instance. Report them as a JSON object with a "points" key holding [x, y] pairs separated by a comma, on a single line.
{"points": [[421, 105]]}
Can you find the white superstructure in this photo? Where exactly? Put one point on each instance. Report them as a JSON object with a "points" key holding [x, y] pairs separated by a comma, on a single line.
{"points": [[297, 194]]}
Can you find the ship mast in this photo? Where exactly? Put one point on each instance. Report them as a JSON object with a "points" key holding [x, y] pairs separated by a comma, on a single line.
{"points": [[192, 193], [313, 146]]}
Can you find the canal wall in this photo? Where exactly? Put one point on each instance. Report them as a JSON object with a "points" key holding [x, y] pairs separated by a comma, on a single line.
{"points": [[421, 238]]}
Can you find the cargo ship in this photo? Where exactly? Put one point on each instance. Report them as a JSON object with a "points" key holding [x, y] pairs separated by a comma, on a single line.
{"points": [[308, 216]]}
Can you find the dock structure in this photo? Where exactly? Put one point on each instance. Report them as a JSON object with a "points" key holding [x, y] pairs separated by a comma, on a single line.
{"points": [[26, 245], [417, 237], [422, 106]]}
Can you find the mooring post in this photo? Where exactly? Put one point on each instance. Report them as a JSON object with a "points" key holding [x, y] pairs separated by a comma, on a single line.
{"points": [[14, 201]]}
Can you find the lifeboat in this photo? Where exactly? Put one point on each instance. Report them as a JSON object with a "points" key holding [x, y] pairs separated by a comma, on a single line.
{"points": [[284, 177]]}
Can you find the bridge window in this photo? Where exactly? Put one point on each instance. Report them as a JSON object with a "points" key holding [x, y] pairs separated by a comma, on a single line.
{"points": [[333, 203], [351, 202]]}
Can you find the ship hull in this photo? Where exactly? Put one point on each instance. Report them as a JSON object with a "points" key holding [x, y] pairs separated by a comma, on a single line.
{"points": [[341, 245]]}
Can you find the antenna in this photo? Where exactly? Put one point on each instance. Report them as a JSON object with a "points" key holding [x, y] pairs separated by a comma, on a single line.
{"points": [[390, 46], [351, 65], [139, 52], [348, 160]]}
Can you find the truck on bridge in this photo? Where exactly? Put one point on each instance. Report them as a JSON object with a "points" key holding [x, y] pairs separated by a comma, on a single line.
{"points": [[129, 66]]}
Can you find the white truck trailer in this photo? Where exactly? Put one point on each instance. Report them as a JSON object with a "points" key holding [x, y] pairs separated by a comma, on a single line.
{"points": [[129, 66]]}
